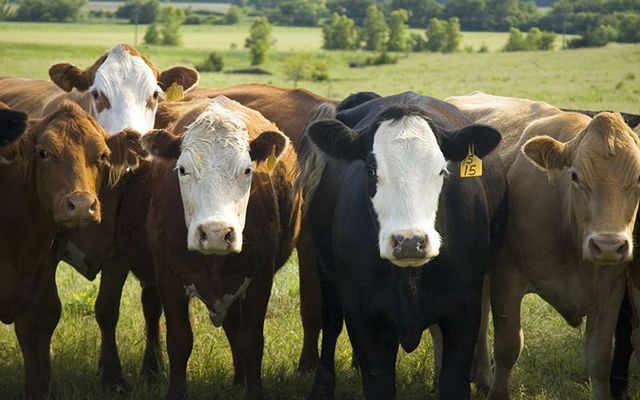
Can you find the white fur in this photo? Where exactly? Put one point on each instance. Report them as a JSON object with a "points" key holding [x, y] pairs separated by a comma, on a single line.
{"points": [[409, 166], [215, 155], [127, 82]]}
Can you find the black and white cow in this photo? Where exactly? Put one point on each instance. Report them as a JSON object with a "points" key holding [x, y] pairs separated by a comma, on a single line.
{"points": [[403, 240]]}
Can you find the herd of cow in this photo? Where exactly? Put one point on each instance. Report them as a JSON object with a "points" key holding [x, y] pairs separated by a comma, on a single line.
{"points": [[206, 196]]}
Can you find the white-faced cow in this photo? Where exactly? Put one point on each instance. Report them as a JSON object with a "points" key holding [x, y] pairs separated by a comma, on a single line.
{"points": [[50, 178], [573, 197], [403, 240], [222, 219]]}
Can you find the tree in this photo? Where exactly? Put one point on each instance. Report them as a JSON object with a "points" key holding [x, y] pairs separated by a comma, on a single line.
{"points": [[436, 34], [533, 41], [420, 11], [354, 9], [171, 19], [340, 33], [500, 12], [152, 35], [6, 13], [299, 12], [259, 40], [49, 10], [302, 67], [147, 11], [213, 63], [233, 15], [472, 13], [398, 30], [375, 30], [453, 36]]}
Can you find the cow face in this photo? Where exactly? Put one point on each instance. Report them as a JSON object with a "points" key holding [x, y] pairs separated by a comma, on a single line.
{"points": [[65, 152], [407, 159], [214, 167], [123, 87], [602, 167]]}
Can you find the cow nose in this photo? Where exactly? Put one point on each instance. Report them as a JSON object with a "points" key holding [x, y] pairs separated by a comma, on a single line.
{"points": [[216, 238], [80, 207], [609, 247], [409, 246]]}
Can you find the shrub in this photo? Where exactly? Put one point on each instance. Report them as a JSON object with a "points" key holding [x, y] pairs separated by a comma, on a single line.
{"points": [[171, 19], [233, 15], [49, 10], [382, 59], [147, 11], [443, 36], [593, 38], [534, 40], [340, 33], [375, 30], [398, 30], [305, 68], [152, 35], [418, 42], [259, 40], [213, 63]]}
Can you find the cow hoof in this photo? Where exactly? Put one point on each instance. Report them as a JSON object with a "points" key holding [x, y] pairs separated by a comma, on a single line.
{"points": [[307, 365]]}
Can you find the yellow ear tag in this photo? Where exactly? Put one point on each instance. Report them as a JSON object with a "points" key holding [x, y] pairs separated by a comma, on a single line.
{"points": [[471, 166], [272, 159], [174, 92]]}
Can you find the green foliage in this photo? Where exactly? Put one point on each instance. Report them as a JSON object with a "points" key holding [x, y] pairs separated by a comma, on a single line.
{"points": [[213, 63], [340, 32], [398, 30], [420, 11], [259, 40], [597, 37], [533, 41], [49, 10], [6, 13], [382, 59], [354, 9], [152, 35], [299, 12], [473, 14], [418, 42], [147, 11], [303, 67], [233, 15], [171, 19], [375, 30], [443, 36]]}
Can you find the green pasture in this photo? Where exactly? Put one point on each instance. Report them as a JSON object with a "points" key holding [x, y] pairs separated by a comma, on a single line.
{"points": [[552, 362]]}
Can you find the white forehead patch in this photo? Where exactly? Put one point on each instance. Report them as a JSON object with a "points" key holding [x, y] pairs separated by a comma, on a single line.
{"points": [[123, 72]]}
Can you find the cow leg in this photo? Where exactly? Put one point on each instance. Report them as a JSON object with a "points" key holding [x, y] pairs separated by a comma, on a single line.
{"points": [[619, 378], [324, 381], [436, 337], [231, 326], [310, 299], [506, 298], [601, 324], [107, 310], [459, 338], [152, 361], [34, 327], [481, 373]]}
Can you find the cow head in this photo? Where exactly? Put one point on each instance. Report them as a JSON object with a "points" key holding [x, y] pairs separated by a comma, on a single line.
{"points": [[122, 87], [407, 158], [65, 153], [602, 167], [214, 166]]}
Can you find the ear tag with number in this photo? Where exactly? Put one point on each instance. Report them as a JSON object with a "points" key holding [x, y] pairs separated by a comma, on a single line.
{"points": [[272, 160], [471, 166], [174, 92]]}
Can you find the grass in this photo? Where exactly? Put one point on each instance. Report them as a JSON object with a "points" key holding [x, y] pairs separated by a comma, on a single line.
{"points": [[552, 363]]}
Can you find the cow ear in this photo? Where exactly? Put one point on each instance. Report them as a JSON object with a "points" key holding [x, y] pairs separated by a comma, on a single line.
{"points": [[546, 153], [183, 76], [12, 124], [68, 76], [126, 153], [162, 144], [338, 140], [267, 144], [455, 145]]}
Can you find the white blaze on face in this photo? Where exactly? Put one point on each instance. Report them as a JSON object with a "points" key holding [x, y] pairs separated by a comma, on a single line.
{"points": [[410, 173], [131, 91], [215, 171]]}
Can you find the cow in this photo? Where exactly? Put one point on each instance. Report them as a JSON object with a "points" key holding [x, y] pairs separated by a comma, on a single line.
{"points": [[13, 124], [121, 89], [403, 240], [222, 220], [50, 177], [573, 199]]}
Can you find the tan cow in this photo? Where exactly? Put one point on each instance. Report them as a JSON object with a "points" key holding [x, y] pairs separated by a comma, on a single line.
{"points": [[49, 178], [573, 198]]}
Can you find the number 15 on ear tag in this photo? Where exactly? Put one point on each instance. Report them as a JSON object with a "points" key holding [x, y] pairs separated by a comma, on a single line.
{"points": [[471, 166]]}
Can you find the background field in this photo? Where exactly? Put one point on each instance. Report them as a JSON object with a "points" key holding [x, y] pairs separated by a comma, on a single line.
{"points": [[552, 363]]}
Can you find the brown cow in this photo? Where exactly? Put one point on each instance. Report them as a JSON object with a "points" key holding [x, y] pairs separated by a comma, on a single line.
{"points": [[49, 179], [12, 124], [219, 226], [573, 199]]}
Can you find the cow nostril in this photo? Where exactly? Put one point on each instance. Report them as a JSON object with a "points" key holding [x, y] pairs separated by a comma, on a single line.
{"points": [[94, 205], [202, 234], [229, 236], [594, 247], [623, 247], [71, 206], [397, 240]]}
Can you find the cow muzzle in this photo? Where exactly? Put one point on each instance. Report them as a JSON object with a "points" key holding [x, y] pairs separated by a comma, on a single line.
{"points": [[215, 238], [608, 248], [411, 249], [77, 209]]}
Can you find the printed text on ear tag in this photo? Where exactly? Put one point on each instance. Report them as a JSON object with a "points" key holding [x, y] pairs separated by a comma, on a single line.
{"points": [[471, 166], [175, 92], [271, 161]]}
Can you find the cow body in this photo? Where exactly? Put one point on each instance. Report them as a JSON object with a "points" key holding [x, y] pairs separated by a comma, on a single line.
{"points": [[51, 179], [385, 305], [552, 246]]}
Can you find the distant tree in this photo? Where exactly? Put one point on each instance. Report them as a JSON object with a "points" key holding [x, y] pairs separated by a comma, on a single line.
{"points": [[233, 15], [340, 32], [6, 12], [398, 30], [418, 42], [305, 68], [472, 13], [259, 40], [152, 35], [375, 30], [171, 19], [354, 9], [49, 10], [500, 12], [213, 63], [453, 36], [534, 40], [147, 10], [420, 11], [517, 41], [436, 35], [299, 12]]}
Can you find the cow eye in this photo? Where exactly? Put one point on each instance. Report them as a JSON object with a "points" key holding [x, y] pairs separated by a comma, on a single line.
{"points": [[155, 95], [574, 177], [444, 172], [103, 158], [371, 172], [182, 171], [95, 94], [44, 155], [247, 171]]}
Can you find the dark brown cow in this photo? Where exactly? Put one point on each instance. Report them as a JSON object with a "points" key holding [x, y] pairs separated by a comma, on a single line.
{"points": [[12, 124], [207, 197], [49, 178]]}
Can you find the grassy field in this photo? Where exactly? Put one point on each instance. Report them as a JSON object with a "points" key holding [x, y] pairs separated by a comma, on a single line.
{"points": [[552, 362]]}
